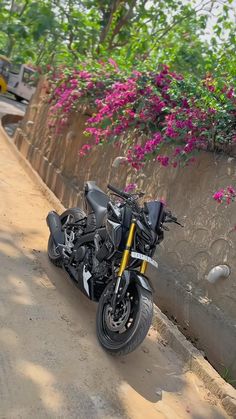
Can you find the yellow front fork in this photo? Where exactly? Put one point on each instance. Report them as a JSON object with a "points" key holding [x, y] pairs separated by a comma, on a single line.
{"points": [[126, 253], [143, 267]]}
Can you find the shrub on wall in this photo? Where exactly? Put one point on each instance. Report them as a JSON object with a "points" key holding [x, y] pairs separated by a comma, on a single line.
{"points": [[147, 111]]}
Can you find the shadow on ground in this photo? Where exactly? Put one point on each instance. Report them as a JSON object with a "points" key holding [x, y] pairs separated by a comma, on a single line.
{"points": [[50, 362]]}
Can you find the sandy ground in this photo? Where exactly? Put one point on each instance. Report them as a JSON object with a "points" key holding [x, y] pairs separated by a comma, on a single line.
{"points": [[51, 365]]}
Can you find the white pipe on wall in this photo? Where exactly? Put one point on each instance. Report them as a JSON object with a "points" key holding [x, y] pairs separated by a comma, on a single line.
{"points": [[218, 272]]}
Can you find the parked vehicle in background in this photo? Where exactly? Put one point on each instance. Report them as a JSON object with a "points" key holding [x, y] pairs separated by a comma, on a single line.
{"points": [[4, 73], [21, 82]]}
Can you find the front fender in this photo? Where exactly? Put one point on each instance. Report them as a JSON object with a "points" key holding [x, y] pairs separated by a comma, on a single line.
{"points": [[134, 276]]}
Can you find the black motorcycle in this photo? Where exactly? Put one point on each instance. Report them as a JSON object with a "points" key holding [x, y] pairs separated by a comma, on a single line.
{"points": [[106, 251]]}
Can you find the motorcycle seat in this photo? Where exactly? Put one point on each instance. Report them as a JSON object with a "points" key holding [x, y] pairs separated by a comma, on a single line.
{"points": [[97, 201]]}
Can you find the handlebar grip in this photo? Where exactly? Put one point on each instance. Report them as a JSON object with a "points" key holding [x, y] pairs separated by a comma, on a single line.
{"points": [[118, 192]]}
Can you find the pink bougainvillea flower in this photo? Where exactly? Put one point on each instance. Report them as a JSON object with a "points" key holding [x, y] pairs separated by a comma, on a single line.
{"points": [[90, 85], [130, 187], [85, 75], [113, 63], [177, 151], [84, 149], [211, 88], [137, 73], [146, 111], [185, 103], [225, 195], [231, 190], [219, 195], [164, 160], [230, 93], [170, 132]]}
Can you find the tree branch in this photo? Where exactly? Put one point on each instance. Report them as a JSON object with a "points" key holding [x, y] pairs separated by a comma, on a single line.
{"points": [[114, 7], [122, 21], [168, 29], [24, 8], [117, 44], [69, 46]]}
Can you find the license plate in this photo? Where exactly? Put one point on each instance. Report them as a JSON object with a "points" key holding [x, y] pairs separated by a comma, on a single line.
{"points": [[140, 256]]}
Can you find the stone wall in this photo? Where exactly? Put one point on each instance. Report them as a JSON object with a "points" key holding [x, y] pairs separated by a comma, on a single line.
{"points": [[205, 312]]}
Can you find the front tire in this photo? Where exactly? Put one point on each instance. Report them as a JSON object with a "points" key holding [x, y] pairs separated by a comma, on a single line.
{"points": [[53, 255], [123, 335]]}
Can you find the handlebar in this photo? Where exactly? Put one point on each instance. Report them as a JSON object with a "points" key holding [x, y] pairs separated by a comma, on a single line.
{"points": [[167, 216], [118, 192]]}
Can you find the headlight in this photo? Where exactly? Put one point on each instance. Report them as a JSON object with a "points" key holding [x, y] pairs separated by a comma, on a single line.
{"points": [[154, 211]]}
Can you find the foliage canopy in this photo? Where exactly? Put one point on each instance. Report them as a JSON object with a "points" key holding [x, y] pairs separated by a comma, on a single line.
{"points": [[135, 33]]}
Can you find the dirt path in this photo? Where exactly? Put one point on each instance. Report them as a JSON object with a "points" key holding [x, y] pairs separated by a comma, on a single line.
{"points": [[51, 365]]}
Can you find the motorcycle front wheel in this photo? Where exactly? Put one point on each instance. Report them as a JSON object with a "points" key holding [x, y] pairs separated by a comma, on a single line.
{"points": [[122, 331]]}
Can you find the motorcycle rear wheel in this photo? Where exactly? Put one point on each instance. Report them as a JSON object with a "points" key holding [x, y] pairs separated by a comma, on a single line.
{"points": [[122, 333], [53, 255]]}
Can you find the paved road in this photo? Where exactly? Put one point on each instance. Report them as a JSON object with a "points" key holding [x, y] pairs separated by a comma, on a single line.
{"points": [[9, 105], [51, 365]]}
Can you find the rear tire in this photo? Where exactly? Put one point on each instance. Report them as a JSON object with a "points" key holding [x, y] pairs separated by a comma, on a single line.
{"points": [[121, 343], [53, 255]]}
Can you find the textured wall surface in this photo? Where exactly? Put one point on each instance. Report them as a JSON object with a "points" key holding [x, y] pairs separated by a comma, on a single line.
{"points": [[206, 312]]}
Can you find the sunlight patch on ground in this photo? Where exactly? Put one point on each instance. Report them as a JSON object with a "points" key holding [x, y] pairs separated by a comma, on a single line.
{"points": [[21, 294], [8, 337], [51, 398]]}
